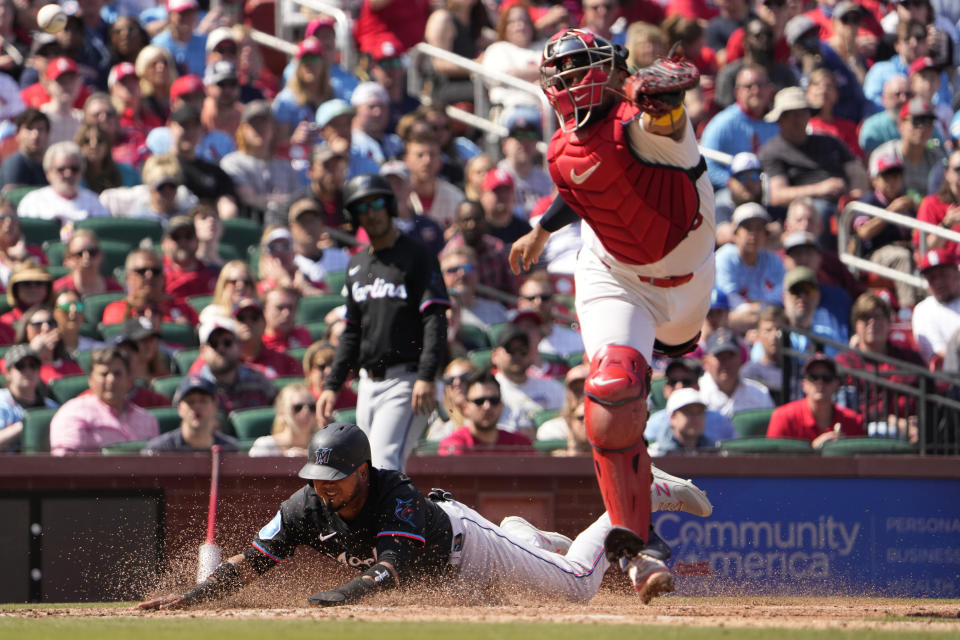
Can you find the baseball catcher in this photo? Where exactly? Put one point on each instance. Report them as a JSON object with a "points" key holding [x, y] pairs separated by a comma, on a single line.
{"points": [[376, 521], [626, 161]]}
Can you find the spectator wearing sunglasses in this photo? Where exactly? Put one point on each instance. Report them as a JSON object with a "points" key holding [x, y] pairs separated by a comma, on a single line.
{"points": [[317, 362], [459, 268], [30, 285], [293, 426], [68, 311], [523, 396], [917, 119], [470, 229], [83, 256], [815, 418], [684, 373], [64, 200], [145, 294], [481, 408], [536, 294], [454, 377], [199, 423], [238, 385], [23, 390], [39, 329]]}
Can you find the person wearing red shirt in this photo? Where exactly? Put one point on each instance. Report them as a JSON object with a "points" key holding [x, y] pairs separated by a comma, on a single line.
{"points": [[481, 409], [317, 362], [184, 274], [280, 312], [39, 329], [145, 294], [775, 14], [404, 19], [125, 93], [815, 417], [943, 208], [83, 256]]}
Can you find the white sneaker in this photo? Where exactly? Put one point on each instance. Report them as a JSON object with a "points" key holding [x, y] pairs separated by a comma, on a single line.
{"points": [[546, 540], [670, 493], [649, 576]]}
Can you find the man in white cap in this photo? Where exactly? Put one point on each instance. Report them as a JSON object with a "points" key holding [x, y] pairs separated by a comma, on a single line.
{"points": [[743, 185], [747, 273], [937, 317], [799, 164], [221, 108], [687, 413], [238, 385], [370, 135]]}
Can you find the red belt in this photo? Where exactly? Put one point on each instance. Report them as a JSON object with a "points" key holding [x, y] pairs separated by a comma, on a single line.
{"points": [[668, 282]]}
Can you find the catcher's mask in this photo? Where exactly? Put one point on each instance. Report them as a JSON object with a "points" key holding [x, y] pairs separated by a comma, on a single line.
{"points": [[574, 72]]}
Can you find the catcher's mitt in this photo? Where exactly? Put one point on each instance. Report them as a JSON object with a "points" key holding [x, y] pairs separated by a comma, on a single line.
{"points": [[658, 89]]}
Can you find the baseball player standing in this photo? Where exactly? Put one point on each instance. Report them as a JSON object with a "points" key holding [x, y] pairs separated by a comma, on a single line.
{"points": [[396, 327], [626, 161], [376, 521]]}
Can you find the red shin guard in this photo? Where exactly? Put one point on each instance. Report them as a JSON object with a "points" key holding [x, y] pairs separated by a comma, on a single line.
{"points": [[615, 406]]}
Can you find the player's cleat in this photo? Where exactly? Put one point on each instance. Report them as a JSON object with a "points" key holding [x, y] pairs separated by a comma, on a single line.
{"points": [[670, 493], [650, 577], [546, 540]]}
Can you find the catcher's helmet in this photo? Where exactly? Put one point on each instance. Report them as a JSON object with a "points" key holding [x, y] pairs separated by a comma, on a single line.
{"points": [[335, 452], [574, 72], [363, 186]]}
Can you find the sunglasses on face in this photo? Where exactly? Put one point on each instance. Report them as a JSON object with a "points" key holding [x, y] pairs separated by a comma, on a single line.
{"points": [[544, 297], [222, 343], [143, 271], [454, 380], [687, 382], [228, 84], [27, 365], [227, 50], [362, 207], [493, 400], [93, 252], [72, 168], [240, 282], [525, 135], [390, 63], [70, 307], [38, 324], [248, 318], [300, 406], [826, 378], [460, 268], [922, 121]]}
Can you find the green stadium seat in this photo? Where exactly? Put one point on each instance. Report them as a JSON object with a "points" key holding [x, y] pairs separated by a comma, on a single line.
{"points": [[281, 382], [575, 359], [35, 230], [83, 359], [166, 385], [480, 358], [656, 393], [93, 310], [36, 430], [547, 446], [66, 388], [184, 359], [199, 303], [109, 331], [253, 259], [542, 416], [167, 418], [866, 446], [57, 272], [316, 329], [751, 423], [335, 280], [475, 337], [228, 252], [767, 445], [345, 415], [315, 308], [298, 353], [427, 448], [132, 448], [249, 424], [181, 334], [493, 331], [241, 234], [127, 230]]}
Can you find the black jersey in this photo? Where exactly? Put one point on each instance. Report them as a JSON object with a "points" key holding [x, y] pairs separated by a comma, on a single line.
{"points": [[396, 312], [396, 518]]}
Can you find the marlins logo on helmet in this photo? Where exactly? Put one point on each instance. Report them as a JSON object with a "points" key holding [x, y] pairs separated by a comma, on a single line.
{"points": [[323, 455]]}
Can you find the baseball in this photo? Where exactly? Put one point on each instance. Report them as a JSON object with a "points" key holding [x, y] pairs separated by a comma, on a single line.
{"points": [[51, 18]]}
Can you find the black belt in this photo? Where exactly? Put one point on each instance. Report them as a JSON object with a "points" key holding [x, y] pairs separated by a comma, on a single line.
{"points": [[378, 372]]}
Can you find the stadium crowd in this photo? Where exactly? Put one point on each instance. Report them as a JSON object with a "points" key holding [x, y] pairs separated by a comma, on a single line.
{"points": [[173, 242]]}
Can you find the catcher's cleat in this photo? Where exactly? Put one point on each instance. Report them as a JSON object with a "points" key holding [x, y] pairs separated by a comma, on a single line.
{"points": [[670, 493], [650, 577], [546, 540]]}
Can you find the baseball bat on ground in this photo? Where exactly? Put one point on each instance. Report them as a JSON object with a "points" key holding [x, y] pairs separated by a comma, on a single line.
{"points": [[210, 553]]}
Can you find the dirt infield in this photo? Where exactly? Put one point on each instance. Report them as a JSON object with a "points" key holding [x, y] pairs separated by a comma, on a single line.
{"points": [[606, 608]]}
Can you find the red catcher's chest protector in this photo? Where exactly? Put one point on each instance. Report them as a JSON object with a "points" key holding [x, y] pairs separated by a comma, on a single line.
{"points": [[639, 210]]}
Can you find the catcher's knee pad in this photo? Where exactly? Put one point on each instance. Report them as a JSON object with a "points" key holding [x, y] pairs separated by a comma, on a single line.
{"points": [[676, 350], [615, 403]]}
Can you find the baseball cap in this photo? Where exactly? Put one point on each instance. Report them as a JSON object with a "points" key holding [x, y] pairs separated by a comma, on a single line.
{"points": [[246, 303], [136, 329], [799, 239], [335, 452], [922, 64], [916, 107], [846, 7], [176, 223], [367, 92], [396, 168], [219, 71], [323, 152], [788, 99], [819, 358], [497, 178], [194, 383], [119, 72], [690, 364], [275, 235], [884, 159], [510, 333], [19, 352], [722, 340], [938, 258], [186, 113], [181, 5], [526, 314], [214, 324], [800, 275], [523, 119], [41, 39], [719, 299], [797, 27], [683, 397], [300, 207], [59, 66], [256, 109], [218, 35], [185, 85], [316, 24], [745, 161], [309, 47], [749, 211], [332, 109], [386, 46]]}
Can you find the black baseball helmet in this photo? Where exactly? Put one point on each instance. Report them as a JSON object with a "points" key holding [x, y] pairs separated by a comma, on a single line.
{"points": [[363, 186], [335, 452]]}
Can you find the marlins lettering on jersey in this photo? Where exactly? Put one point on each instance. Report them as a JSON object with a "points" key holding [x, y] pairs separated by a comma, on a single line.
{"points": [[380, 288]]}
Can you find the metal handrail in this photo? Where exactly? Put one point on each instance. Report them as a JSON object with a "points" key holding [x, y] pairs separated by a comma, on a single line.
{"points": [[287, 16], [844, 235], [273, 42]]}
